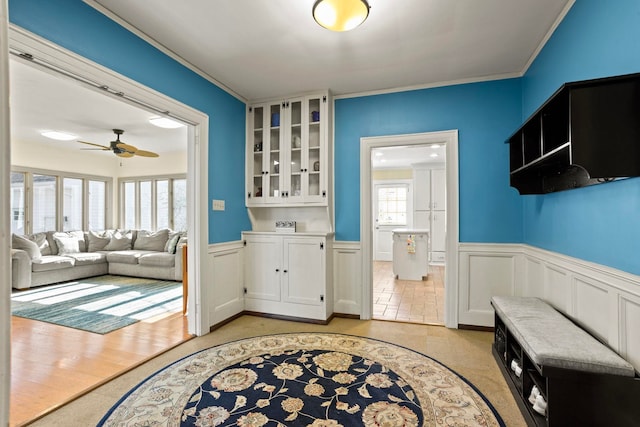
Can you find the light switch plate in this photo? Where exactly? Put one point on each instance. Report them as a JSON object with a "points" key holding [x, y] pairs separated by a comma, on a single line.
{"points": [[217, 205]]}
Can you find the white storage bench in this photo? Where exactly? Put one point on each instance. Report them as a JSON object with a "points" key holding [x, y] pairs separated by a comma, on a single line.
{"points": [[580, 380]]}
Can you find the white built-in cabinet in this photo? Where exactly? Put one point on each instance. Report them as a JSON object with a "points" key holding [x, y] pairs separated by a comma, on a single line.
{"points": [[430, 201], [288, 274], [287, 152]]}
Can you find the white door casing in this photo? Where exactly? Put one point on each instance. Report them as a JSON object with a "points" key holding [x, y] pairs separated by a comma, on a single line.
{"points": [[5, 262], [42, 50], [450, 139]]}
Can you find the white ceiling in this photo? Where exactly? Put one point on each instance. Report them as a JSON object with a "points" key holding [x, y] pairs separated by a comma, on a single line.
{"points": [[259, 49], [43, 101], [262, 49], [406, 157]]}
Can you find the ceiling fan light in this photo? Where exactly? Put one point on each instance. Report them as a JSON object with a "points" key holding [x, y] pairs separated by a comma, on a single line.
{"points": [[340, 15], [59, 136], [164, 122]]}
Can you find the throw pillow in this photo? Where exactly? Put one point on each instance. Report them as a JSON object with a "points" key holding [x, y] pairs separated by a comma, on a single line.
{"points": [[67, 244], [118, 244], [41, 240], [77, 235], [30, 247], [172, 241], [148, 241], [98, 241]]}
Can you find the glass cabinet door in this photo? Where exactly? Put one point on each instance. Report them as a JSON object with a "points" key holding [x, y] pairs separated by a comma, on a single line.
{"points": [[314, 148], [295, 160], [273, 161], [255, 164]]}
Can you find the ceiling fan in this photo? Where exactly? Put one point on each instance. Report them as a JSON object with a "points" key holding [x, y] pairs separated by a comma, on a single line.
{"points": [[120, 148]]}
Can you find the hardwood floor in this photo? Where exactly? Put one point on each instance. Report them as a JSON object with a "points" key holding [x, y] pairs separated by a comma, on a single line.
{"points": [[51, 365], [408, 300]]}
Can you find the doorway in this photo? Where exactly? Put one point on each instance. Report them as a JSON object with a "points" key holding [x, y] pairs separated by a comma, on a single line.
{"points": [[408, 260], [196, 158], [446, 271]]}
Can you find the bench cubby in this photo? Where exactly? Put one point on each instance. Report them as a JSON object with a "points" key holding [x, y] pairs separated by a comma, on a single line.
{"points": [[582, 381]]}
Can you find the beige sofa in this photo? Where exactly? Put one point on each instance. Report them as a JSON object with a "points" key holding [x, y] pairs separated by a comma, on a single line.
{"points": [[52, 257]]}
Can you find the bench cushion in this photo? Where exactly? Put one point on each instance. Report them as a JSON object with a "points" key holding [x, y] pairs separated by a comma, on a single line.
{"points": [[550, 339]]}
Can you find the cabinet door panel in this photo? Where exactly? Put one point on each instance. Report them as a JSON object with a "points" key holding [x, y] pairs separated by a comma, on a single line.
{"points": [[303, 281], [438, 230], [421, 190], [262, 268], [438, 189]]}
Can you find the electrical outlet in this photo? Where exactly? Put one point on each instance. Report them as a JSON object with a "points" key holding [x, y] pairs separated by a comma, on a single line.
{"points": [[217, 205]]}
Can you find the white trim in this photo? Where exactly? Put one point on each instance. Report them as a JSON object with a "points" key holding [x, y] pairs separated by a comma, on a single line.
{"points": [[450, 139], [5, 225], [197, 156], [433, 85], [547, 36], [162, 48]]}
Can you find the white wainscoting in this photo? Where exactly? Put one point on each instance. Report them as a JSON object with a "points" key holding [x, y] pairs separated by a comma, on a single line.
{"points": [[224, 279], [604, 301], [485, 270], [347, 278]]}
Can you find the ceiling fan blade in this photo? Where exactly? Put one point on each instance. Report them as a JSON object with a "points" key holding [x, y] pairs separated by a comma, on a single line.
{"points": [[126, 147], [145, 153], [124, 154], [103, 147]]}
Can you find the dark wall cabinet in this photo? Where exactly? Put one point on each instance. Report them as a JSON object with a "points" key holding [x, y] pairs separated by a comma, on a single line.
{"points": [[587, 133]]}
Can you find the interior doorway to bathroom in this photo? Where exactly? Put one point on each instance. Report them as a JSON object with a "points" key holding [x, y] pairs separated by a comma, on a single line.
{"points": [[408, 215]]}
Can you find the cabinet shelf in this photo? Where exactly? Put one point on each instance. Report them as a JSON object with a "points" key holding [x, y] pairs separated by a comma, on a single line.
{"points": [[586, 133]]}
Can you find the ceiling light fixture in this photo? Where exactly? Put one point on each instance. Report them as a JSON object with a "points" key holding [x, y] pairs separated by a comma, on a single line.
{"points": [[340, 15], [433, 155], [163, 122], [435, 146], [59, 136]]}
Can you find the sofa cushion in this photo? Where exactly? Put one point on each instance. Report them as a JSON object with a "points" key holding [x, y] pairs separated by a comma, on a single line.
{"points": [[158, 259], [88, 258], [172, 241], [66, 244], [42, 242], [96, 241], [52, 262], [126, 257], [118, 243], [151, 241], [29, 246], [77, 235]]}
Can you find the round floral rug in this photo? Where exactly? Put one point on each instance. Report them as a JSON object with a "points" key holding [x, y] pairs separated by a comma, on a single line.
{"points": [[304, 379]]}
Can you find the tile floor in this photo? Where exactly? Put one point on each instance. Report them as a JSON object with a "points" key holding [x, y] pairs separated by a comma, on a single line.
{"points": [[408, 300]]}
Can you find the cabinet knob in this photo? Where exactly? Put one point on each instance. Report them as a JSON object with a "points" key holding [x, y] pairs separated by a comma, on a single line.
{"points": [[277, 270], [284, 271]]}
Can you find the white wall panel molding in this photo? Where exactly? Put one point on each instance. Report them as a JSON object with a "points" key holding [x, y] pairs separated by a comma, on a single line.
{"points": [[603, 300], [225, 268], [347, 278], [485, 270]]}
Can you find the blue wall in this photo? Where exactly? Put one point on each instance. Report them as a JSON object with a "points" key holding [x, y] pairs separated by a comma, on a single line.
{"points": [[484, 113], [78, 27], [599, 223]]}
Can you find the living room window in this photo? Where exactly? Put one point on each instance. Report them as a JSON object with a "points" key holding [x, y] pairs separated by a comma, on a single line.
{"points": [[153, 203], [51, 200]]}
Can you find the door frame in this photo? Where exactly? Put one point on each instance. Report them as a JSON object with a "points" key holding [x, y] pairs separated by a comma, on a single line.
{"points": [[5, 237], [116, 85], [367, 144]]}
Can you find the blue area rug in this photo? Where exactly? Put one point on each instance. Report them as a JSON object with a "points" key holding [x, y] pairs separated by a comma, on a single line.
{"points": [[304, 379], [99, 304]]}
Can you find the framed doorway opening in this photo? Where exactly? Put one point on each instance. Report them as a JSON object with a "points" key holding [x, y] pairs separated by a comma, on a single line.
{"points": [[367, 144]]}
